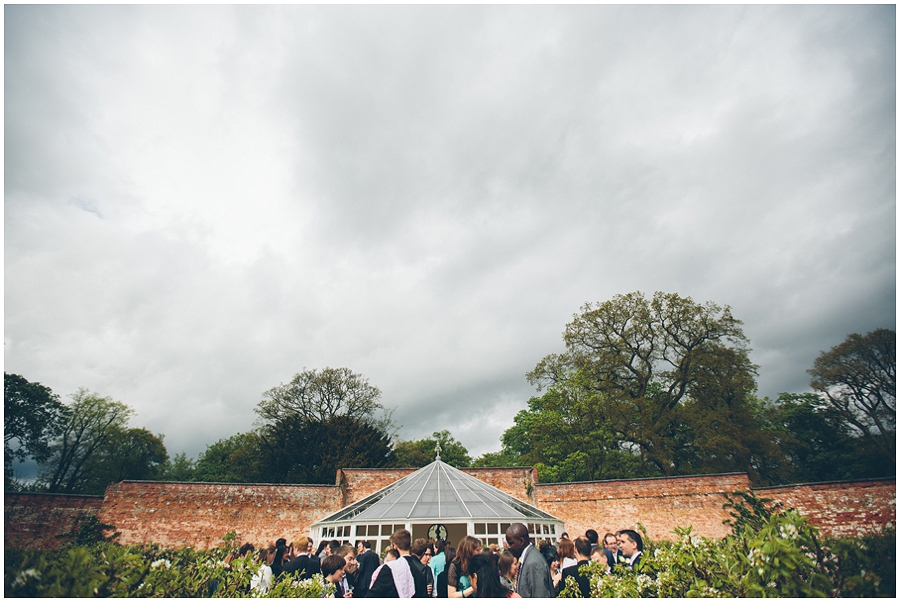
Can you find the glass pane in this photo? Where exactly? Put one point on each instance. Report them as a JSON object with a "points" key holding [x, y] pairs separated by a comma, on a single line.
{"points": [[492, 528], [360, 530], [386, 529], [480, 529]]}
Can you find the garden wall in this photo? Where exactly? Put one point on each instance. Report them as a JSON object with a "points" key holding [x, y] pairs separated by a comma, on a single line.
{"points": [[44, 520], [659, 504], [200, 514], [840, 509]]}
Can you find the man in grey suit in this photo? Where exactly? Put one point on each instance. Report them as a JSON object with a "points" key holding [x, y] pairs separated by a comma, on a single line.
{"points": [[534, 574]]}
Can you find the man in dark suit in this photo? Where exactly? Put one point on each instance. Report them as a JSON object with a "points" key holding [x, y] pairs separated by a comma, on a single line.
{"points": [[304, 565], [368, 561], [583, 556], [631, 545]]}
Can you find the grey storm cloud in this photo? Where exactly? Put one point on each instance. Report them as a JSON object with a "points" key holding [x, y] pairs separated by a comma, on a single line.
{"points": [[201, 201]]}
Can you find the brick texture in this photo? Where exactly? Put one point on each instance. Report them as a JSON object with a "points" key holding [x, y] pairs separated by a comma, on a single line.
{"points": [[840, 509], [200, 514], [659, 504], [42, 520]]}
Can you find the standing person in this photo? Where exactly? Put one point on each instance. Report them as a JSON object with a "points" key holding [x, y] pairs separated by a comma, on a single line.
{"points": [[601, 556], [351, 568], [458, 583], [401, 578], [305, 565], [441, 581], [566, 551], [582, 547], [439, 560], [632, 546], [367, 561], [508, 567], [485, 579], [422, 550], [534, 575], [612, 548], [333, 572], [263, 581]]}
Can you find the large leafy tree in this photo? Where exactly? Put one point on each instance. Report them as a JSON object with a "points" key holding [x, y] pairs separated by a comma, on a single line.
{"points": [[296, 450], [95, 447], [32, 417], [667, 380], [321, 421], [240, 458], [317, 396], [858, 378], [819, 444], [421, 452]]}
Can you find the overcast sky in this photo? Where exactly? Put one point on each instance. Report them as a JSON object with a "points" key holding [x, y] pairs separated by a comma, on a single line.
{"points": [[201, 202]]}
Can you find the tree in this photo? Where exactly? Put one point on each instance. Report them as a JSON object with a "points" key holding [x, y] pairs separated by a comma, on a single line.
{"points": [[179, 468], [302, 451], [32, 416], [129, 454], [90, 423], [819, 444], [318, 396], [415, 454], [240, 458], [858, 378], [652, 376]]}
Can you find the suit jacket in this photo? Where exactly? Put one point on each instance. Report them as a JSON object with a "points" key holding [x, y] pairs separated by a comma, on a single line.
{"points": [[302, 566], [384, 586], [584, 584], [368, 561], [534, 575]]}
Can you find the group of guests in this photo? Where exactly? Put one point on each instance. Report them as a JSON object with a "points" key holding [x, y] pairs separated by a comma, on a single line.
{"points": [[422, 569]]}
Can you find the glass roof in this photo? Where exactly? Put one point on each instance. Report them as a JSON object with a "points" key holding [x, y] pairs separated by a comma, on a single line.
{"points": [[438, 491]]}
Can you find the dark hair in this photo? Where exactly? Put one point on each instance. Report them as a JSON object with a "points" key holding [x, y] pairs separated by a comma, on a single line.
{"points": [[333, 545], [321, 547], [592, 536], [391, 551], [439, 546], [488, 582], [583, 546], [366, 545], [635, 537], [332, 563], [607, 536], [247, 547], [281, 541]]}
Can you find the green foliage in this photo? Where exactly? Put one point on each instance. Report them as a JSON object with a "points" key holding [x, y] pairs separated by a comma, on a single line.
{"points": [[749, 511], [646, 388], [415, 454], [32, 417], [149, 571], [783, 557], [237, 459], [858, 378]]}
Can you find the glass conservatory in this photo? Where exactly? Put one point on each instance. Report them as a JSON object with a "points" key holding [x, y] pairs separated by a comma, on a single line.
{"points": [[437, 501]]}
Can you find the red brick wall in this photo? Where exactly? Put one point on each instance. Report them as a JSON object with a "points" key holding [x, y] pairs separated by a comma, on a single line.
{"points": [[659, 504], [34, 520], [841, 509], [200, 514]]}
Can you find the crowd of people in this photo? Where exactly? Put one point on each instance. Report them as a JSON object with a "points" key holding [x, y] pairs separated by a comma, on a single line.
{"points": [[427, 569]]}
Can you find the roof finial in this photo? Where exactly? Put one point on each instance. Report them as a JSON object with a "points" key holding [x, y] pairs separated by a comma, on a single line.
{"points": [[437, 451]]}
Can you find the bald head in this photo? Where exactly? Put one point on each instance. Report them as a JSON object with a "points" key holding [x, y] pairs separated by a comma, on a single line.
{"points": [[517, 538]]}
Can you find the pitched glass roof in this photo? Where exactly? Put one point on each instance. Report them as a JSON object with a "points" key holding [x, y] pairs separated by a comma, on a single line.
{"points": [[438, 491]]}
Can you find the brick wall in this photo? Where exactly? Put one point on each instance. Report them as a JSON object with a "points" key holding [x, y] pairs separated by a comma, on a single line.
{"points": [[200, 514], [36, 520], [841, 509], [659, 504]]}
